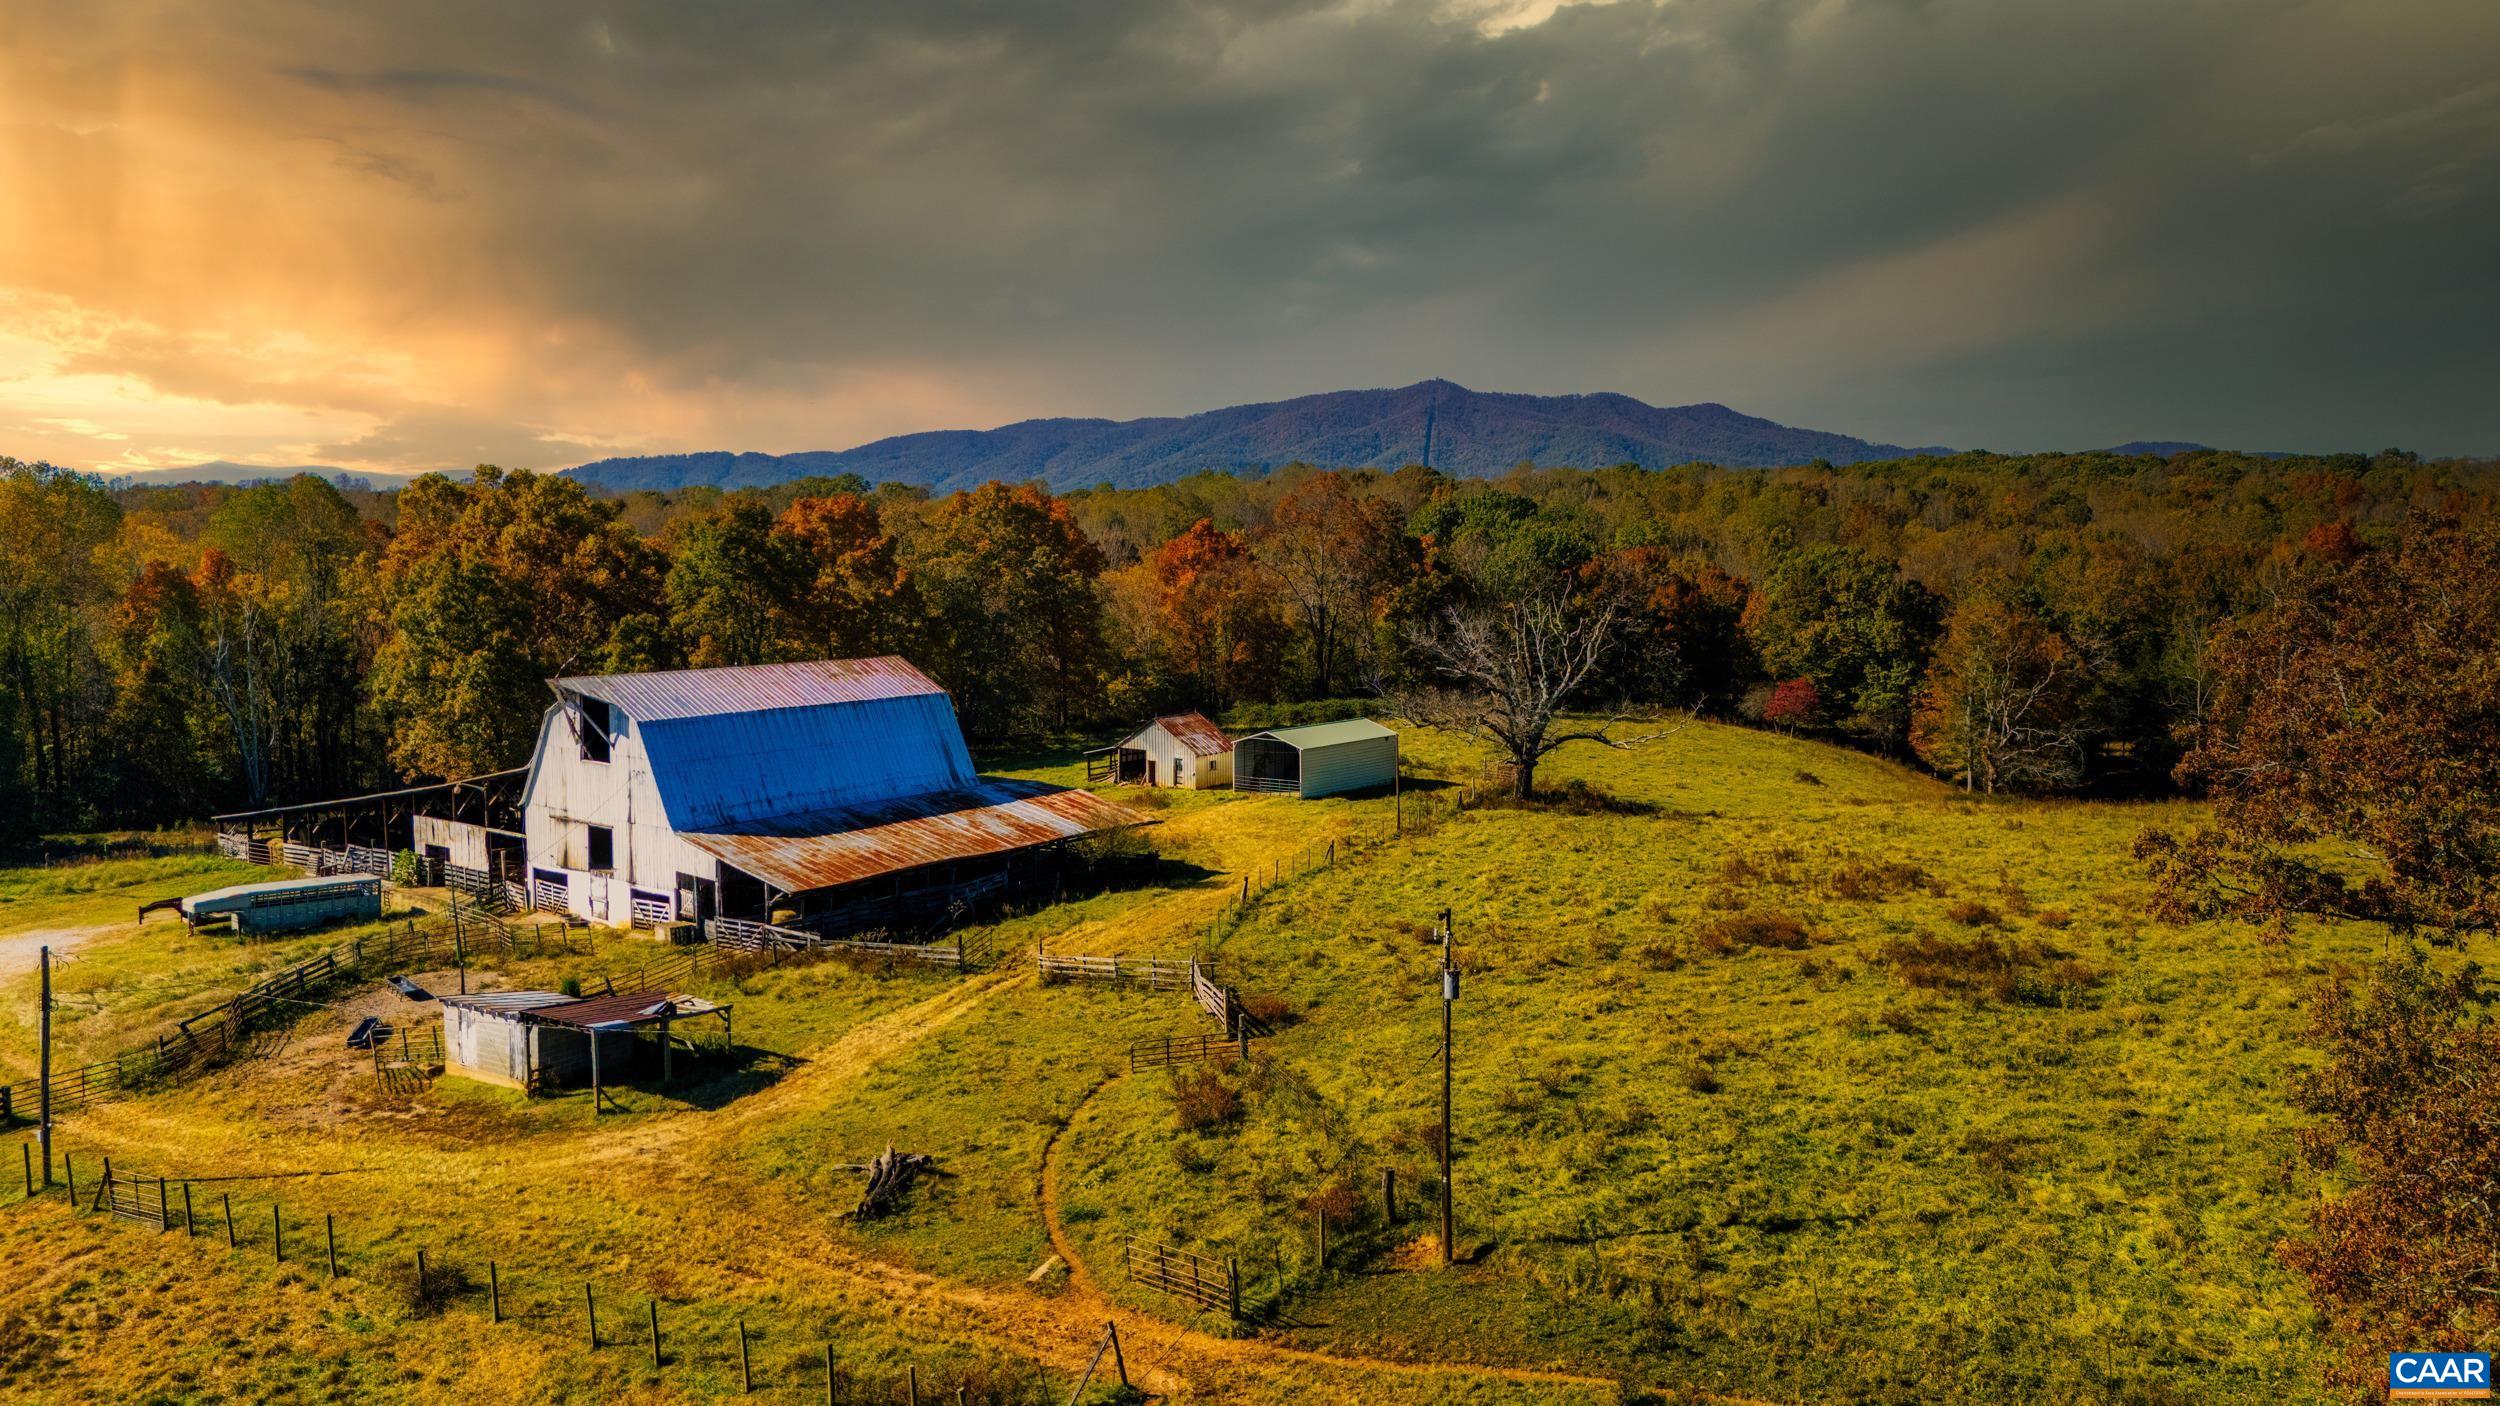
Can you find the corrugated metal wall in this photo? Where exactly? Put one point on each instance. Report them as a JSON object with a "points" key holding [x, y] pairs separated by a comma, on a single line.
{"points": [[1349, 766]]}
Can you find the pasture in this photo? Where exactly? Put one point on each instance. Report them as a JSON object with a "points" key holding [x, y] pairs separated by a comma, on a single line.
{"points": [[1783, 1074]]}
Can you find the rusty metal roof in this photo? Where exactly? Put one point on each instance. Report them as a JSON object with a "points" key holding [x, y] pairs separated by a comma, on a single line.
{"points": [[620, 1008], [506, 1002], [1196, 734], [827, 848], [752, 688]]}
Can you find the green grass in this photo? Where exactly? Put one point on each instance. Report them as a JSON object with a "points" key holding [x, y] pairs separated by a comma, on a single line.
{"points": [[1686, 1161], [1780, 1171]]}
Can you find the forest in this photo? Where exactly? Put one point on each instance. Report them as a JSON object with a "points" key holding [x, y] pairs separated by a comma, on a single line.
{"points": [[2041, 624]]}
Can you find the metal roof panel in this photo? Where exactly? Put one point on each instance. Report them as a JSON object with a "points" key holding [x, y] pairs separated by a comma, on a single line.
{"points": [[848, 844], [701, 693]]}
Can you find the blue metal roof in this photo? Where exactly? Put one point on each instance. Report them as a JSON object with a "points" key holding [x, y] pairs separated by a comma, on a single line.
{"points": [[725, 769]]}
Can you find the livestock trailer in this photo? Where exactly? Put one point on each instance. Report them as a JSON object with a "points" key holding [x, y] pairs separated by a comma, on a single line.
{"points": [[284, 905]]}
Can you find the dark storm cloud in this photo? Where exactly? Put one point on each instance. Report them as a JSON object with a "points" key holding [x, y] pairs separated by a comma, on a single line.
{"points": [[2013, 224]]}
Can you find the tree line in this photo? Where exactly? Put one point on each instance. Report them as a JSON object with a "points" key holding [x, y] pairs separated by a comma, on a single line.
{"points": [[2039, 623]]}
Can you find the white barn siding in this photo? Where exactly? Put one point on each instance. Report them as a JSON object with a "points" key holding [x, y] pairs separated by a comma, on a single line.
{"points": [[569, 793], [463, 844]]}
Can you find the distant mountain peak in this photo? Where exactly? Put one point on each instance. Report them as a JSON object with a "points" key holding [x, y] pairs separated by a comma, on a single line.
{"points": [[1437, 421]]}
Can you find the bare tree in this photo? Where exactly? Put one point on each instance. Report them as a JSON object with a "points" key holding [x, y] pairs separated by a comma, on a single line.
{"points": [[1504, 672]]}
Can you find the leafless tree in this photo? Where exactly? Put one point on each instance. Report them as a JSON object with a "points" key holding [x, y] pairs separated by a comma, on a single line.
{"points": [[1505, 671]]}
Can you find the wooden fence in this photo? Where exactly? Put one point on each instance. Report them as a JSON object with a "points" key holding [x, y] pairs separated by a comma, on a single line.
{"points": [[742, 935], [568, 1302], [1199, 1279], [210, 1037], [1156, 973], [1164, 1051]]}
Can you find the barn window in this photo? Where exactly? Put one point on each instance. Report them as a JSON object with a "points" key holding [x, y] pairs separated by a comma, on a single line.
{"points": [[597, 724], [602, 847]]}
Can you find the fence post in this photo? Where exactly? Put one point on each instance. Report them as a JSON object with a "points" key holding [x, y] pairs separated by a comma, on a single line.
{"points": [[1118, 1363], [420, 1276], [26, 1154], [828, 1374], [190, 1227], [494, 1293], [330, 1233], [590, 1311], [277, 1234], [912, 1373], [655, 1332], [71, 1174], [746, 1370], [228, 1198], [1389, 1195], [164, 1213], [1232, 1284]]}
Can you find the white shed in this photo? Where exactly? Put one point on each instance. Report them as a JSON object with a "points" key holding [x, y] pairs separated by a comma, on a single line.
{"points": [[1323, 759], [1186, 750]]}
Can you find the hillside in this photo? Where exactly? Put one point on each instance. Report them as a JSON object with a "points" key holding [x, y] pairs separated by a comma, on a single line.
{"points": [[1457, 430], [1697, 1149]]}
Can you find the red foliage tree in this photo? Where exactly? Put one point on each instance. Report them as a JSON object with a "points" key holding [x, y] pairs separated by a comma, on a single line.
{"points": [[1793, 703]]}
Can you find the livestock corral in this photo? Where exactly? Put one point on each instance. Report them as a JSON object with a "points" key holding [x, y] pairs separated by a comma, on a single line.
{"points": [[1778, 1073]]}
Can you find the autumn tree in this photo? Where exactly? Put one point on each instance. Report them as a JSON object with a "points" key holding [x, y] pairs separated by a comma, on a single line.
{"points": [[2000, 707], [2353, 746], [1683, 640], [1851, 623], [2407, 1109], [1330, 550], [853, 596], [488, 589], [1016, 619], [732, 582], [53, 688], [1214, 617]]}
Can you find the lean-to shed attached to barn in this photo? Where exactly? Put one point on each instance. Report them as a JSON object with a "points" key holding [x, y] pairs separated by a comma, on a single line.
{"points": [[1323, 759]]}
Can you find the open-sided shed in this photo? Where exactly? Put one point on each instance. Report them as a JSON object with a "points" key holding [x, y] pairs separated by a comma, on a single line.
{"points": [[1323, 759], [536, 1040], [1186, 750], [283, 905]]}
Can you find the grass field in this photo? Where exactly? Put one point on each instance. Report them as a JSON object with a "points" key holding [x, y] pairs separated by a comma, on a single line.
{"points": [[1783, 1075]]}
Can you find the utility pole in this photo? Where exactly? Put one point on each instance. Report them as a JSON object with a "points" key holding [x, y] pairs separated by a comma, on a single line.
{"points": [[43, 1092], [1449, 999]]}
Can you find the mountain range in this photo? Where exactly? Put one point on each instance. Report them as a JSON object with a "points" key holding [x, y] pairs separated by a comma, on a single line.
{"points": [[1454, 429]]}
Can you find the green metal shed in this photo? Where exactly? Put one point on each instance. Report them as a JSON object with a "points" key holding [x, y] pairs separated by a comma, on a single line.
{"points": [[1323, 759]]}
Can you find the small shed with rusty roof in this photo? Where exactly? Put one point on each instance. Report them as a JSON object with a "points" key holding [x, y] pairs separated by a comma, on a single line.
{"points": [[1186, 750], [541, 1040]]}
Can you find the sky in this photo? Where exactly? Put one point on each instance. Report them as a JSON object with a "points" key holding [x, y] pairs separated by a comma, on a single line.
{"points": [[417, 236]]}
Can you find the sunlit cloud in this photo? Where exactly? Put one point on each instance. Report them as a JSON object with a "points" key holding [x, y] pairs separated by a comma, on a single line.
{"points": [[415, 237]]}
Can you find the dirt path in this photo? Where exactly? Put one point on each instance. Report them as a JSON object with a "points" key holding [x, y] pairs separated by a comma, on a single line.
{"points": [[20, 952]]}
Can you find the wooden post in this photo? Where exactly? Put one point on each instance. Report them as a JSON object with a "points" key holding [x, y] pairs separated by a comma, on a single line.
{"points": [[746, 1369], [1449, 999], [590, 1311], [164, 1214], [70, 1174], [1118, 1363], [1232, 1283], [43, 1076], [228, 1198], [26, 1154], [828, 1374], [277, 1235], [655, 1332], [421, 1276], [190, 1227], [494, 1293], [330, 1235], [912, 1374], [594, 1073], [1389, 1195]]}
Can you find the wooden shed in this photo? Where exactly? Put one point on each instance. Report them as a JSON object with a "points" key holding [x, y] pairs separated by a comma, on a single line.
{"points": [[538, 1040], [1185, 750], [1323, 759]]}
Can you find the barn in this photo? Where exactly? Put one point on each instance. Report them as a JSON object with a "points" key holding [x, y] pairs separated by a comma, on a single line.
{"points": [[1323, 759], [832, 795], [1179, 749]]}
